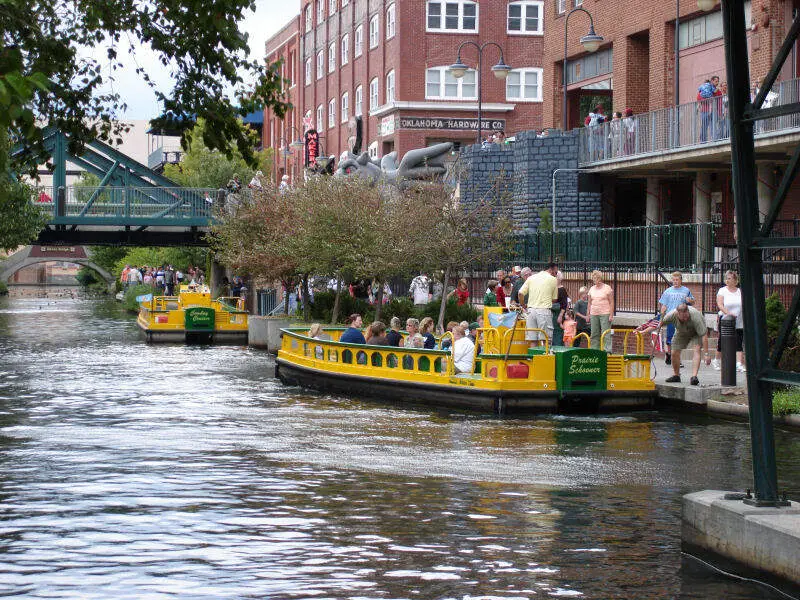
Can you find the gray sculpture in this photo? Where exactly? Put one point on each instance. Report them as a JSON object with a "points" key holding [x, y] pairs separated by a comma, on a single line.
{"points": [[417, 164]]}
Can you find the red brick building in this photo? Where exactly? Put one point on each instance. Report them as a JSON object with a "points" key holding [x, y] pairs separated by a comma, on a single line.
{"points": [[387, 61]]}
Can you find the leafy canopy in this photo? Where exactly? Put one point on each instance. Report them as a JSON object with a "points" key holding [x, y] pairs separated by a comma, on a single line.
{"points": [[46, 79]]}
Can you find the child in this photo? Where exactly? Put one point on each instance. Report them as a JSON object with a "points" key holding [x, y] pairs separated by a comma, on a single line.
{"points": [[570, 327]]}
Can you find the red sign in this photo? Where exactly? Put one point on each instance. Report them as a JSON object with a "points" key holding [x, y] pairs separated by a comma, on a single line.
{"points": [[312, 147], [60, 252]]}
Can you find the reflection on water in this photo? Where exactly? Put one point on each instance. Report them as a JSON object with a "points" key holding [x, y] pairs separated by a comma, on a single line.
{"points": [[140, 471]]}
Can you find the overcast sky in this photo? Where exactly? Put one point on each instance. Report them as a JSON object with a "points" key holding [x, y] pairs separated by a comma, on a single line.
{"points": [[269, 17]]}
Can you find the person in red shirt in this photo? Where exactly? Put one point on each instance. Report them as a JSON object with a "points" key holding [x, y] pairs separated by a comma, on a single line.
{"points": [[503, 291], [461, 293]]}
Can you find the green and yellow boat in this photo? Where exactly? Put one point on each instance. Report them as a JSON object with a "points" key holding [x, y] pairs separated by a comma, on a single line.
{"points": [[507, 376], [193, 316]]}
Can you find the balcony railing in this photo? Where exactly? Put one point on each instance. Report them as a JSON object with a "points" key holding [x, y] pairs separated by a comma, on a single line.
{"points": [[689, 125]]}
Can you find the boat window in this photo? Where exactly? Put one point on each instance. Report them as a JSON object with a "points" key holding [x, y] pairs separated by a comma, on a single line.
{"points": [[306, 350], [361, 357], [391, 361], [347, 356], [438, 365], [333, 356], [319, 353], [408, 363], [424, 363], [377, 359], [295, 344]]}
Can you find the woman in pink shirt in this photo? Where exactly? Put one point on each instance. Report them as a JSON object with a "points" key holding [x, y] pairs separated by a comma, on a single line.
{"points": [[600, 310]]}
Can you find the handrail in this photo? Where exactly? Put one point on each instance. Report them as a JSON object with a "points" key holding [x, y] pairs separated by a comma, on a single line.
{"points": [[602, 339], [510, 332], [583, 334], [639, 341]]}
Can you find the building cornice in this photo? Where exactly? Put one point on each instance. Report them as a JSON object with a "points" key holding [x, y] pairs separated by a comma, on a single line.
{"points": [[440, 106]]}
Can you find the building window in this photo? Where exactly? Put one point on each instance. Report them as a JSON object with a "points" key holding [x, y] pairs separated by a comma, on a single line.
{"points": [[706, 28], [373, 94], [591, 65], [309, 23], [332, 57], [320, 124], [524, 85], [458, 15], [525, 17], [390, 22], [308, 71], [358, 108], [578, 3], [331, 7], [320, 64], [440, 84], [373, 150], [390, 86], [320, 11], [373, 32], [359, 41], [345, 107], [345, 49], [332, 112], [561, 6]]}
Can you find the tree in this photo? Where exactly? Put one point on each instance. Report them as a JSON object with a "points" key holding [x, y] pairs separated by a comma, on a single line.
{"points": [[20, 221], [48, 80], [463, 236], [203, 167]]}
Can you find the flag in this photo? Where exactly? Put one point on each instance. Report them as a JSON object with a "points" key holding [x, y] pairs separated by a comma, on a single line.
{"points": [[503, 319], [144, 298]]}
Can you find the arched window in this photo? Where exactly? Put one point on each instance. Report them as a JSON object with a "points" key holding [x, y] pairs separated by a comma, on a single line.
{"points": [[332, 57], [345, 49], [345, 107], [373, 32], [390, 86], [358, 107], [390, 22], [358, 43]]}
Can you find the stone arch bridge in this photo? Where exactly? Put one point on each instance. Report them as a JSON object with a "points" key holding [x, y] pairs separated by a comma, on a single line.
{"points": [[31, 255]]}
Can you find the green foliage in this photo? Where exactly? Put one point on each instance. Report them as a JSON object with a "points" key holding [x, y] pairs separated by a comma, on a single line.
{"points": [[107, 257], [203, 167], [20, 221], [587, 104], [46, 77], [786, 402], [155, 256], [87, 277], [776, 315], [3, 288], [129, 299], [401, 308], [545, 219]]}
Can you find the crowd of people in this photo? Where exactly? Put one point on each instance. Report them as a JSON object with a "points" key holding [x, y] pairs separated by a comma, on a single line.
{"points": [[167, 279]]}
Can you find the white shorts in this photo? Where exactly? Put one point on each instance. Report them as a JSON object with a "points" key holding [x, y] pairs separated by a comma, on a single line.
{"points": [[539, 318]]}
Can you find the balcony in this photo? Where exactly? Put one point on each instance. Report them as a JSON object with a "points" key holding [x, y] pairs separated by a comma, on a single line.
{"points": [[696, 131], [169, 152]]}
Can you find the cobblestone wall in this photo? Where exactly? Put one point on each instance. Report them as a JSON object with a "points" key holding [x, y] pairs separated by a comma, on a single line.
{"points": [[527, 166]]}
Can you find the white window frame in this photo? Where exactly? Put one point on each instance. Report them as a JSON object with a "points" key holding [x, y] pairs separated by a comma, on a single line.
{"points": [[332, 57], [578, 3], [561, 7], [358, 104], [345, 49], [320, 11], [523, 5], [442, 28], [345, 116], [390, 21], [390, 86], [524, 73], [331, 7], [308, 71], [443, 73], [358, 41], [331, 113], [309, 19], [374, 94], [372, 150], [374, 32], [320, 64], [320, 115]]}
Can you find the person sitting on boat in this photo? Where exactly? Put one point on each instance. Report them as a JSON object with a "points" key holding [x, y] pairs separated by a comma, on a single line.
{"points": [[463, 351], [412, 327], [315, 332], [447, 342], [490, 297], [353, 335], [426, 329], [393, 336], [416, 341], [378, 337]]}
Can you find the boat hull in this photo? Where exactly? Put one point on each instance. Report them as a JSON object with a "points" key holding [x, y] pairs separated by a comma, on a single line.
{"points": [[460, 396], [181, 336]]}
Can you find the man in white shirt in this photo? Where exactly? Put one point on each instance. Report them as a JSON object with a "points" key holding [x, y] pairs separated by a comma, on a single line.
{"points": [[420, 289], [463, 351]]}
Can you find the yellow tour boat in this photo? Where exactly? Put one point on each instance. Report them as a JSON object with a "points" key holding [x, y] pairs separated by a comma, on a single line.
{"points": [[507, 375], [192, 316]]}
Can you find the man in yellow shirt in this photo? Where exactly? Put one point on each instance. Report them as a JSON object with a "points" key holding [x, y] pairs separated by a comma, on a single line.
{"points": [[542, 290]]}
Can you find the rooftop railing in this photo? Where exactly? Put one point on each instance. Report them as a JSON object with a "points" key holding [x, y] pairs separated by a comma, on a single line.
{"points": [[674, 128]]}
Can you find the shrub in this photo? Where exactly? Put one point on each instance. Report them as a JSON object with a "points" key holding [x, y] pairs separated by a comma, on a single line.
{"points": [[776, 315], [786, 401], [129, 300], [3, 288]]}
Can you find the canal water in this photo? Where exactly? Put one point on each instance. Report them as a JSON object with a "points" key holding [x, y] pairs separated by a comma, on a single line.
{"points": [[134, 471]]}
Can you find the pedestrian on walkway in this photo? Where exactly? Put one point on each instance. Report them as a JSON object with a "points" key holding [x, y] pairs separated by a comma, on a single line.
{"points": [[690, 330], [669, 301], [601, 310], [729, 302]]}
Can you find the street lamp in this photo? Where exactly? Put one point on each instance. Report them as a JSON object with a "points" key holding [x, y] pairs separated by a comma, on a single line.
{"points": [[590, 42], [501, 70]]}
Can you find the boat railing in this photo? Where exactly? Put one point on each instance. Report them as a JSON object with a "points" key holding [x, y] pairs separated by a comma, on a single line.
{"points": [[579, 336], [232, 303], [639, 342], [510, 333]]}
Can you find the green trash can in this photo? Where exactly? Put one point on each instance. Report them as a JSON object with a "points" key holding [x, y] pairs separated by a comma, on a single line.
{"points": [[580, 368]]}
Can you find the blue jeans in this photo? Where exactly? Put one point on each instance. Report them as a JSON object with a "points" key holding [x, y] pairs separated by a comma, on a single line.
{"points": [[706, 119]]}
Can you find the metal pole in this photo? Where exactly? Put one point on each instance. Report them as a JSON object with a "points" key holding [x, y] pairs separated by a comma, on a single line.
{"points": [[745, 195], [677, 53], [480, 91], [564, 79]]}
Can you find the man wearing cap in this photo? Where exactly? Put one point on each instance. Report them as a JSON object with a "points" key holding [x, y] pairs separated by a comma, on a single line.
{"points": [[690, 330]]}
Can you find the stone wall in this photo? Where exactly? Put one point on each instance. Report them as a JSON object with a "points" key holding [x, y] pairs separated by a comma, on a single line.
{"points": [[527, 166]]}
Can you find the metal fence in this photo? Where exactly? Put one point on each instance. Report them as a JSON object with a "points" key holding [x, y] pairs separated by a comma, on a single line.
{"points": [[671, 128]]}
